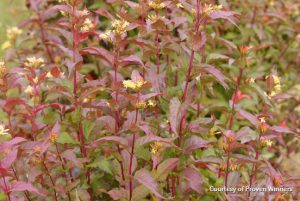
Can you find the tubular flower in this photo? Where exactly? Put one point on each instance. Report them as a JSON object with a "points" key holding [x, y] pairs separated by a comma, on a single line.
{"points": [[208, 9], [266, 142], [155, 147], [277, 85], [119, 26], [84, 12], [223, 166], [3, 131], [277, 181], [53, 138], [179, 5], [37, 150], [13, 32], [233, 166], [33, 62], [29, 90], [230, 137], [106, 36], [3, 70], [262, 125], [157, 5], [151, 103], [87, 25]]}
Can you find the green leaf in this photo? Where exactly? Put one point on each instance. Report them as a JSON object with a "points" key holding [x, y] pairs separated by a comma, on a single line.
{"points": [[51, 117], [88, 126], [12, 93], [103, 164], [65, 138]]}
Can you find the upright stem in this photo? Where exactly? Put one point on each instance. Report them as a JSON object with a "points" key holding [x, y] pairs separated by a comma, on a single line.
{"points": [[230, 123], [157, 67], [116, 64], [6, 188], [51, 179], [130, 168]]}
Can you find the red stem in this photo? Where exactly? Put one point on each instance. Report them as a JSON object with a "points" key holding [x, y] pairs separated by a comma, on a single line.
{"points": [[130, 168], [6, 188]]}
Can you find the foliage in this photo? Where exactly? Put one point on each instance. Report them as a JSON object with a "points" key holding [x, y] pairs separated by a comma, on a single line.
{"points": [[150, 100]]}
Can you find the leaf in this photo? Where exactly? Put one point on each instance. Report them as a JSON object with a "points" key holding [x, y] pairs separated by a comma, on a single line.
{"points": [[198, 41], [281, 129], [88, 126], [140, 192], [70, 155], [194, 142], [113, 139], [224, 15], [153, 138], [103, 164], [20, 186], [164, 168], [132, 59], [194, 179], [8, 160], [249, 117], [145, 178], [65, 138], [217, 74], [175, 107], [215, 56], [117, 193]]}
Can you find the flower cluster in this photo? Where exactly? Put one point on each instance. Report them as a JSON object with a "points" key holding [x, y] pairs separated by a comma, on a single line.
{"points": [[53, 138], [157, 5], [129, 84], [13, 32], [156, 147], [87, 25], [106, 36], [119, 26], [3, 70], [3, 131], [33, 62], [208, 8], [266, 142]]}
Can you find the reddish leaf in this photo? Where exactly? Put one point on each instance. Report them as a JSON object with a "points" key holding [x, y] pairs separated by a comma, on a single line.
{"points": [[8, 160], [165, 167], [194, 179], [253, 119], [117, 194], [194, 142], [132, 59], [70, 155], [20, 186], [174, 117], [145, 178], [281, 129], [217, 74]]}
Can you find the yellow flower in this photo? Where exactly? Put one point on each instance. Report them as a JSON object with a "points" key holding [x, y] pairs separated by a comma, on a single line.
{"points": [[233, 166], [87, 25], [84, 12], [141, 104], [119, 26], [129, 84], [252, 80], [3, 70], [49, 75], [36, 80], [33, 62], [3, 131], [179, 5], [13, 32], [156, 5], [155, 147], [29, 90], [266, 142], [151, 103], [106, 36], [208, 9], [53, 138], [37, 149], [223, 166], [6, 45]]}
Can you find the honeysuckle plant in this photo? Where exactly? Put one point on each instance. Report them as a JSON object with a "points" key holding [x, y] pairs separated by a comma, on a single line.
{"points": [[150, 100]]}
